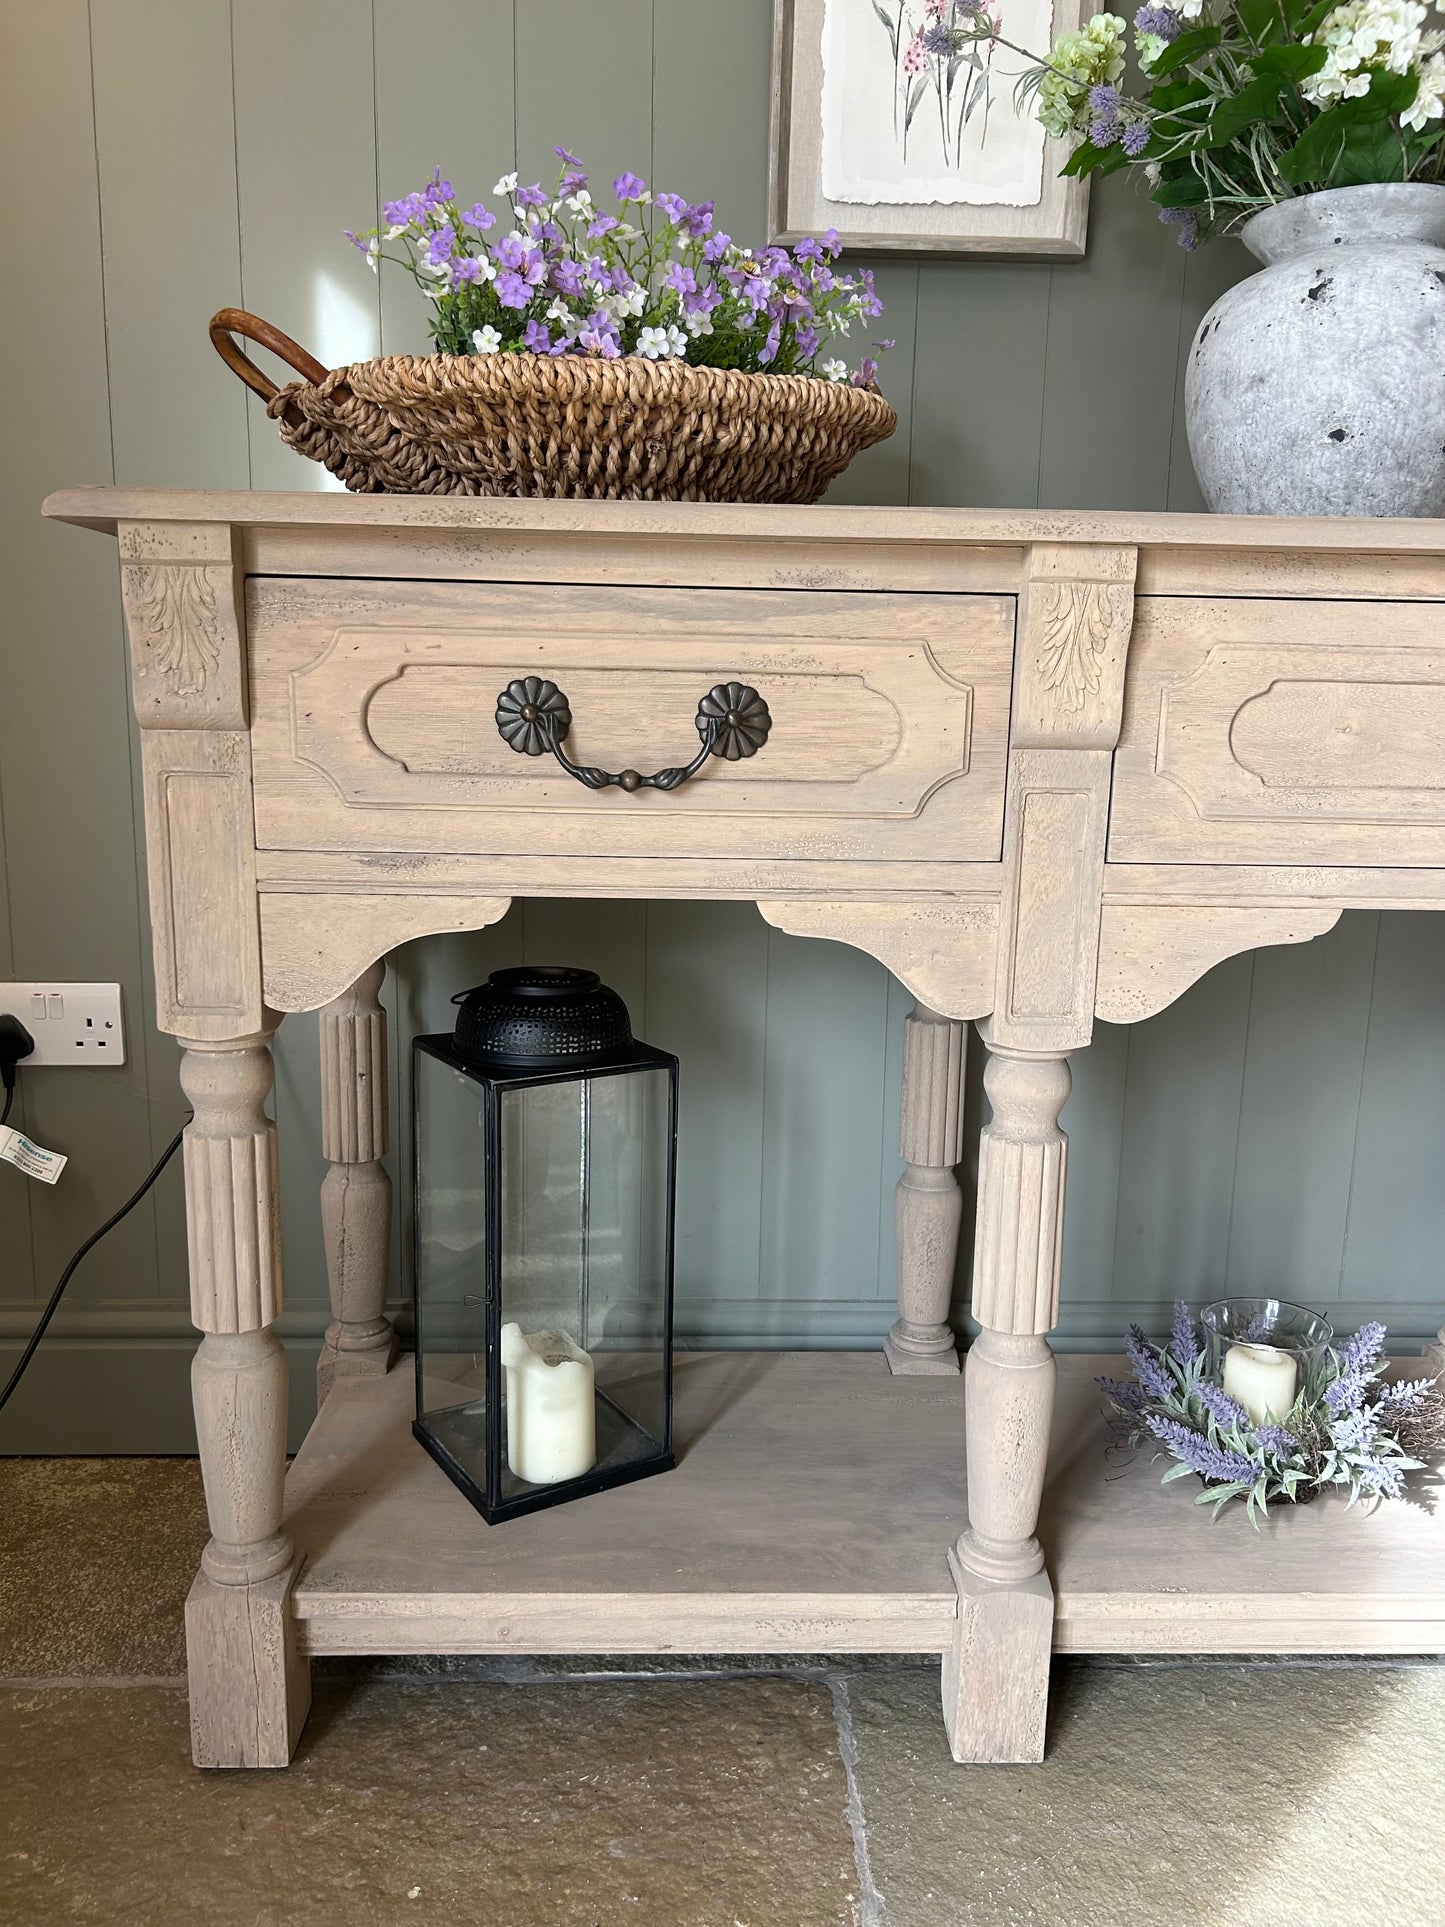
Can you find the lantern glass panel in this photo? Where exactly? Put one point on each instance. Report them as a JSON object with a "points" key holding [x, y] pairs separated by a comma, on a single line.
{"points": [[544, 1224]]}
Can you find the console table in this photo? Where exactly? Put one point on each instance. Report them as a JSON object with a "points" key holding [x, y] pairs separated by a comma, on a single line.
{"points": [[1046, 767]]}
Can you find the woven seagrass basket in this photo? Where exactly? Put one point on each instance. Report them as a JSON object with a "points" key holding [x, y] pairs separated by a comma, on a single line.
{"points": [[516, 424]]}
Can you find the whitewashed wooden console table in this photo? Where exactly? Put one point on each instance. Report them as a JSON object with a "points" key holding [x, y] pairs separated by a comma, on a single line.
{"points": [[1045, 767]]}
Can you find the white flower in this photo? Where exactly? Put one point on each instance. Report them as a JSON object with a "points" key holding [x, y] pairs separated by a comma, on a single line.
{"points": [[1429, 102], [486, 340], [661, 344], [697, 324], [631, 301], [559, 311], [373, 254], [392, 232], [1364, 37], [580, 202], [506, 184], [834, 370]]}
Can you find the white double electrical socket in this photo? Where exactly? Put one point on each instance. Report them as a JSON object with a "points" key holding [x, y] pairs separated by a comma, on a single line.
{"points": [[71, 1023]]}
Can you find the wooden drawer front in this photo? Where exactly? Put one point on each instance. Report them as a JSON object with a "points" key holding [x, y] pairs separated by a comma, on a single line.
{"points": [[1282, 732], [373, 719]]}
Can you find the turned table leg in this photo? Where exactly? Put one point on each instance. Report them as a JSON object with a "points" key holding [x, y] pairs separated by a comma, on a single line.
{"points": [[250, 1688], [928, 1204], [356, 1192], [995, 1677]]}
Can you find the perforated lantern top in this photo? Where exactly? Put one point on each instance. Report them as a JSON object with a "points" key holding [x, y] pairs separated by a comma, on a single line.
{"points": [[540, 1014]]}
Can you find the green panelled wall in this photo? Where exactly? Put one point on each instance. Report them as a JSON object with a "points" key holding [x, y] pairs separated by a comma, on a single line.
{"points": [[1282, 1126]]}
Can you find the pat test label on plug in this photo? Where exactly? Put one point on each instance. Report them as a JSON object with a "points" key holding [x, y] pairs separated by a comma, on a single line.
{"points": [[27, 1156]]}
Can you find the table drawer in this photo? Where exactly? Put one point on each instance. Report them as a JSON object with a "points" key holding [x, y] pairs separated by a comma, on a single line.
{"points": [[1282, 732], [373, 719]]}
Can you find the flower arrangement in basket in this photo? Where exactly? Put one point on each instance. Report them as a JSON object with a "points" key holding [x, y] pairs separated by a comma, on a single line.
{"points": [[1348, 1427], [587, 353], [1243, 104]]}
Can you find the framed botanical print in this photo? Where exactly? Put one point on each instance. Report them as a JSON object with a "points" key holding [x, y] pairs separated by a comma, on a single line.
{"points": [[902, 149]]}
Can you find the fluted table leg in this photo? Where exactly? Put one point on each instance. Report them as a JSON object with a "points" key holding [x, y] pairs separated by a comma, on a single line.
{"points": [[249, 1686], [995, 1679], [928, 1204], [356, 1192]]}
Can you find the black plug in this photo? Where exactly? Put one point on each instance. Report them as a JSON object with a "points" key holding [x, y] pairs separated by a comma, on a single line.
{"points": [[15, 1044]]}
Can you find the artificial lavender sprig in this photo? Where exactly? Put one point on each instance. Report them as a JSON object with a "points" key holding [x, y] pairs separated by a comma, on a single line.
{"points": [[1212, 1462], [1226, 1412], [1183, 1337], [1147, 1369]]}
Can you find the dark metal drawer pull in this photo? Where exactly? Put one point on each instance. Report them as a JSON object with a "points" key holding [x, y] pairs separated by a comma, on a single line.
{"points": [[533, 716]]}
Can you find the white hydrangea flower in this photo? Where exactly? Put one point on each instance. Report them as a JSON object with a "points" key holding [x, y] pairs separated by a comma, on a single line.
{"points": [[506, 184], [1363, 37], [486, 340], [834, 370], [1429, 102]]}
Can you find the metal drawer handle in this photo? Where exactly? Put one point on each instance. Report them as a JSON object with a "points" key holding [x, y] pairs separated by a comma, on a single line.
{"points": [[533, 716]]}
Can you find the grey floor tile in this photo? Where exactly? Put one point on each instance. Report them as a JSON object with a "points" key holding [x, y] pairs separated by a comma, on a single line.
{"points": [[717, 1803], [1174, 1797]]}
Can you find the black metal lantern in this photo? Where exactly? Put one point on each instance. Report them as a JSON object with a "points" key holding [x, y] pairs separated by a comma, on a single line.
{"points": [[546, 1165]]}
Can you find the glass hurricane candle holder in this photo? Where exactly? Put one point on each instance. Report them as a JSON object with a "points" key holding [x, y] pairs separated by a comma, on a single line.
{"points": [[1261, 1350]]}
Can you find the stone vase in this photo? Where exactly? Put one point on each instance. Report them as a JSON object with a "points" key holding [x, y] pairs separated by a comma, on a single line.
{"points": [[1317, 387]]}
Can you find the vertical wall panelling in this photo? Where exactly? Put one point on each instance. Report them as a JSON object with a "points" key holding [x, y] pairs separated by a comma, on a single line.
{"points": [[1393, 1266], [64, 742], [443, 99], [1177, 1150], [587, 87], [1103, 338], [1282, 1125], [306, 166], [1308, 1018]]}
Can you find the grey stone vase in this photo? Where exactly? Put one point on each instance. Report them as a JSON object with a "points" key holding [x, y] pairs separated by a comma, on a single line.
{"points": [[1317, 387]]}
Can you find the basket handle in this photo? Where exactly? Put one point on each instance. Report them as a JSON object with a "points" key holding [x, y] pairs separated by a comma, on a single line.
{"points": [[231, 322]]}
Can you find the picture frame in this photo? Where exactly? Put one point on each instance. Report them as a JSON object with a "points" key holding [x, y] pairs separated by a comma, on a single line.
{"points": [[846, 154]]}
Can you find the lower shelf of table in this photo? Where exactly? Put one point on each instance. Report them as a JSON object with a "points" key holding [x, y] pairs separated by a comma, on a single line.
{"points": [[811, 1510]]}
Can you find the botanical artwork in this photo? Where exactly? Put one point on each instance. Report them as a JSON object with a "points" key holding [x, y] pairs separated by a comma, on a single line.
{"points": [[914, 115]]}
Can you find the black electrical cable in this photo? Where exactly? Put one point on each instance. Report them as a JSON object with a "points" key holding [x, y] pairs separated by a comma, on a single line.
{"points": [[69, 1272]]}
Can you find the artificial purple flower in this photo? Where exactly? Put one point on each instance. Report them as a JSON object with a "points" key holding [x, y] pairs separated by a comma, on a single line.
{"points": [[602, 224], [1211, 1462], [1274, 1438], [1147, 1369], [532, 196], [1105, 126], [1163, 22], [572, 182], [437, 192], [1362, 1348], [680, 278], [567, 160], [1135, 138], [480, 218], [629, 187], [807, 340], [698, 219], [703, 300], [768, 351], [598, 341], [511, 252], [1346, 1393], [832, 241], [512, 290], [716, 246], [356, 240], [568, 278], [1187, 222], [865, 374], [1183, 1342], [1129, 1397], [404, 213], [937, 39], [872, 306], [465, 271], [674, 206], [1355, 1431], [1223, 1409], [808, 249], [538, 338], [442, 246]]}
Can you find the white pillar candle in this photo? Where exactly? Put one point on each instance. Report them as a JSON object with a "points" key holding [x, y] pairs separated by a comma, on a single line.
{"points": [[1263, 1378], [551, 1414]]}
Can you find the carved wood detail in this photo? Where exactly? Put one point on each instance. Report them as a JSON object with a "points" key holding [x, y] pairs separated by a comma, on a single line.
{"points": [[928, 1203], [1077, 623], [180, 589], [315, 944], [1150, 953], [232, 1187], [942, 948]]}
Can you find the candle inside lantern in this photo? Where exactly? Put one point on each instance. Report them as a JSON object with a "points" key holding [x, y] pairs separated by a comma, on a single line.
{"points": [[551, 1414], [1263, 1378]]}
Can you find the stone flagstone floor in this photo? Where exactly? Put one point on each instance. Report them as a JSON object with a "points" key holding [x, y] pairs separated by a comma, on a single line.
{"points": [[707, 1793]]}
